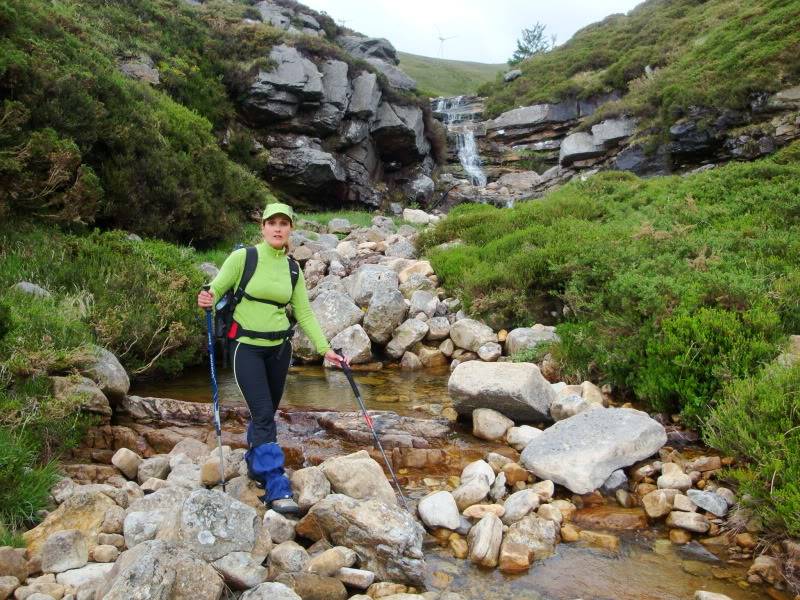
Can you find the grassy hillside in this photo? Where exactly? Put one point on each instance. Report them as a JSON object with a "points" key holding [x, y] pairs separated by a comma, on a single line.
{"points": [[712, 53], [441, 77], [675, 290]]}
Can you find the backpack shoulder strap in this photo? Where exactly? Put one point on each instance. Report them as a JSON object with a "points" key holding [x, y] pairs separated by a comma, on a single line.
{"points": [[294, 271], [250, 263]]}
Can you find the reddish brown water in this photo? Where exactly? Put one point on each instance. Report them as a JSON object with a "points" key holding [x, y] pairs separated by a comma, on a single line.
{"points": [[648, 567]]}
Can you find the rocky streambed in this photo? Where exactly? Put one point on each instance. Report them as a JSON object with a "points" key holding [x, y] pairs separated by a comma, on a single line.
{"points": [[518, 486]]}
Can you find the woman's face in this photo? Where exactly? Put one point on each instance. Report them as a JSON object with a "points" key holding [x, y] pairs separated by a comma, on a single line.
{"points": [[276, 230]]}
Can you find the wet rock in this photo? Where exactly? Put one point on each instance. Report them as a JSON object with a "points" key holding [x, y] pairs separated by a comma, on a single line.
{"points": [[387, 539], [310, 485], [386, 311], [64, 550], [484, 541], [488, 424], [517, 390], [709, 501], [410, 362], [581, 452], [159, 569], [406, 335], [611, 518], [703, 595], [439, 509], [391, 428], [659, 503], [689, 521], [538, 535], [310, 586], [596, 539], [357, 475]]}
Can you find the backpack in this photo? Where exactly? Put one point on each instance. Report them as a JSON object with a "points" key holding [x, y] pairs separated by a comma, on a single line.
{"points": [[226, 328]]}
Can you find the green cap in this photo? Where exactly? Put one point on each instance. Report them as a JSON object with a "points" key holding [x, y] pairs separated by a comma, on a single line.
{"points": [[277, 208]]}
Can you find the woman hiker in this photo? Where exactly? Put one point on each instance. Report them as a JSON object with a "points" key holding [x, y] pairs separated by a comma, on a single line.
{"points": [[261, 344]]}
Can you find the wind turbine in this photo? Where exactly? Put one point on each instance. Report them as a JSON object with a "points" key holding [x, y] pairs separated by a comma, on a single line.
{"points": [[442, 40]]}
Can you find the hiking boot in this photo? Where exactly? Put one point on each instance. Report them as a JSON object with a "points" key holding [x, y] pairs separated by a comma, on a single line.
{"points": [[285, 506], [259, 483]]}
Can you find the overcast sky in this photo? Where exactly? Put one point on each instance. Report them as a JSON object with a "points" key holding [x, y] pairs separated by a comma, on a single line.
{"points": [[485, 30]]}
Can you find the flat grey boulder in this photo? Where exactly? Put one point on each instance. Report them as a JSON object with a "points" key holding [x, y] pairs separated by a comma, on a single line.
{"points": [[517, 390], [609, 132], [293, 72], [367, 47], [579, 146], [386, 538], [212, 524], [581, 452], [163, 570], [335, 85], [538, 114], [396, 77]]}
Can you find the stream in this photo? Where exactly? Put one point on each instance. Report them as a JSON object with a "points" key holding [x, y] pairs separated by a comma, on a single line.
{"points": [[648, 566]]}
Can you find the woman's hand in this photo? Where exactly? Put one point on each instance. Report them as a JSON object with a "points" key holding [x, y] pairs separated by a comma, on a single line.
{"points": [[337, 360], [205, 299]]}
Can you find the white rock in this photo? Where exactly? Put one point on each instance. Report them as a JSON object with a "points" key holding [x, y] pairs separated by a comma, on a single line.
{"points": [[439, 509], [488, 424]]}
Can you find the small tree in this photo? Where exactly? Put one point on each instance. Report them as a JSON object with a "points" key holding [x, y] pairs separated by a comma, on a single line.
{"points": [[533, 41]]}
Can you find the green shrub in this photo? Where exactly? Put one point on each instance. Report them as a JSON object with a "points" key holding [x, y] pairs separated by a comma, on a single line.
{"points": [[135, 298], [758, 420], [668, 287]]}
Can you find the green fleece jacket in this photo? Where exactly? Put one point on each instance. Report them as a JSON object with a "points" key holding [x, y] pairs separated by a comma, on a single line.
{"points": [[271, 281]]}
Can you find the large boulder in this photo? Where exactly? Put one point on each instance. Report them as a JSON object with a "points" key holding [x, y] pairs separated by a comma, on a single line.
{"points": [[409, 333], [471, 334], [146, 516], [365, 98], [387, 539], [517, 390], [159, 569], [399, 132], [88, 393], [306, 169], [609, 132], [336, 88], [387, 310], [536, 115], [527, 338], [83, 511], [579, 146], [212, 524], [369, 279], [396, 77], [335, 312], [366, 47], [581, 452], [357, 475], [102, 367], [354, 343]]}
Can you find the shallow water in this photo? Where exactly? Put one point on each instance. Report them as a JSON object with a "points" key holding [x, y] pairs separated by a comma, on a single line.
{"points": [[648, 566]]}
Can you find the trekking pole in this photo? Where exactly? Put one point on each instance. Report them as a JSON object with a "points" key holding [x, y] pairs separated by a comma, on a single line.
{"points": [[215, 390], [349, 374]]}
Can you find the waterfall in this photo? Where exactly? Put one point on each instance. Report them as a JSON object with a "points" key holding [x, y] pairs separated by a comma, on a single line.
{"points": [[457, 114]]}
